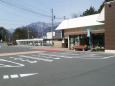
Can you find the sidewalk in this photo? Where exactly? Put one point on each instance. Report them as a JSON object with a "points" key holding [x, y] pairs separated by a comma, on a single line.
{"points": [[52, 48], [61, 49], [66, 49]]}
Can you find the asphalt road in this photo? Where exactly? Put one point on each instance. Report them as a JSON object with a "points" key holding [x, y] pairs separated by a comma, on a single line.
{"points": [[55, 68]]}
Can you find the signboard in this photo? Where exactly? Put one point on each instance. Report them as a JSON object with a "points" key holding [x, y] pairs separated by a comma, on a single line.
{"points": [[88, 32]]}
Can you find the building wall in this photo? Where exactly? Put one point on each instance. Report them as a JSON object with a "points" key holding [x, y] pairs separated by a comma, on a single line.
{"points": [[110, 26], [57, 43], [49, 35], [83, 30]]}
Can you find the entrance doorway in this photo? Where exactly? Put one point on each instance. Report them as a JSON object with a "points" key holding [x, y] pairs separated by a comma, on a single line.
{"points": [[66, 43], [98, 41]]}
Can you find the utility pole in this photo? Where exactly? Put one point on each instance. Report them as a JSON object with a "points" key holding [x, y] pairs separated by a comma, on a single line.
{"points": [[52, 25], [2, 35], [43, 31], [38, 31], [64, 17], [28, 33], [9, 35]]}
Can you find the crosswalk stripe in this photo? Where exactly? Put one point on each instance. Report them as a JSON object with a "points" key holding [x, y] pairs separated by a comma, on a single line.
{"points": [[48, 60]]}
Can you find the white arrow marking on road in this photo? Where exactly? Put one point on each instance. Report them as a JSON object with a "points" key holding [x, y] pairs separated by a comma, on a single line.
{"points": [[24, 75], [18, 75]]}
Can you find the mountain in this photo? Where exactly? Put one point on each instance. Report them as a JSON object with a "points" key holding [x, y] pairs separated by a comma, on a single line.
{"points": [[38, 26]]}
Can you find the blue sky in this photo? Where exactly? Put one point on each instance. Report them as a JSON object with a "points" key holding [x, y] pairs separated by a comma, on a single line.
{"points": [[17, 13]]}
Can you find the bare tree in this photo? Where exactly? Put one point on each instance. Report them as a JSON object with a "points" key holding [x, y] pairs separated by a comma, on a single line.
{"points": [[74, 15]]}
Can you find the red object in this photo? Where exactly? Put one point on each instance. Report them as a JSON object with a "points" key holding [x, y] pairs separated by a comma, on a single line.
{"points": [[80, 47]]}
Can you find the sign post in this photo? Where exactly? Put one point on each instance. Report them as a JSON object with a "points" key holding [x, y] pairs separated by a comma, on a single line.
{"points": [[88, 33]]}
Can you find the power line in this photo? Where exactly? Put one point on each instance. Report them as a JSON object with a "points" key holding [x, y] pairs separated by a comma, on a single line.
{"points": [[26, 9], [45, 4], [33, 7], [19, 16]]}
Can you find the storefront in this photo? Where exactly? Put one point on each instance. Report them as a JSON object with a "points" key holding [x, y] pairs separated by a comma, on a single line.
{"points": [[96, 41], [77, 32]]}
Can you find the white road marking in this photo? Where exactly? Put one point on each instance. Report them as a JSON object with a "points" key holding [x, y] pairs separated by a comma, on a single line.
{"points": [[25, 75], [66, 57], [76, 54], [18, 75], [1, 64], [55, 58], [63, 53], [48, 60], [21, 59], [109, 57], [96, 58], [89, 56], [5, 77], [46, 55], [14, 76], [49, 56], [7, 61]]}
